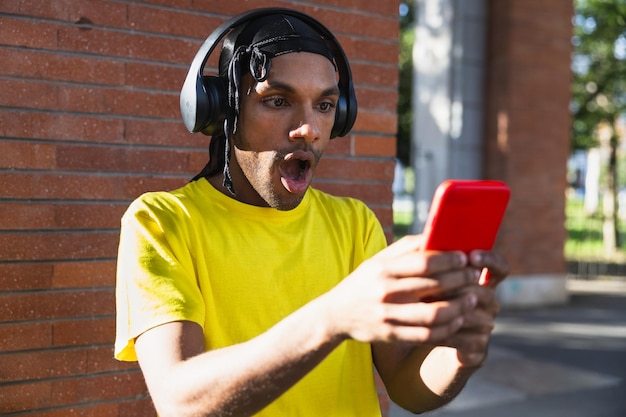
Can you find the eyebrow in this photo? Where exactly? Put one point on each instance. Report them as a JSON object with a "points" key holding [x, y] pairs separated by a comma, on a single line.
{"points": [[278, 85]]}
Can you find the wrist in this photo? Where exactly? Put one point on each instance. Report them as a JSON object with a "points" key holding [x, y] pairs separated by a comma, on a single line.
{"points": [[445, 373], [327, 321]]}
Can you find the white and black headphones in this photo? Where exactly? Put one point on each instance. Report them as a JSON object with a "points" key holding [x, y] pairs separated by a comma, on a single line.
{"points": [[204, 99]]}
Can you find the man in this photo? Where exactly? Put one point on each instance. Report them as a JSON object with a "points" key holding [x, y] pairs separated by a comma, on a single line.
{"points": [[247, 291]]}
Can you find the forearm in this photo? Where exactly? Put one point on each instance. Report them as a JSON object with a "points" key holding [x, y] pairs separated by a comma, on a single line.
{"points": [[242, 379], [424, 377]]}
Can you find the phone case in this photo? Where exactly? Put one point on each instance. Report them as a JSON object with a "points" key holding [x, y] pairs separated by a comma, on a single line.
{"points": [[465, 215]]}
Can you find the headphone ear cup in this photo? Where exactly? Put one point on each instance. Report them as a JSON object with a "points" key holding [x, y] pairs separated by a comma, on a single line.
{"points": [[202, 103], [340, 117], [345, 113], [212, 105]]}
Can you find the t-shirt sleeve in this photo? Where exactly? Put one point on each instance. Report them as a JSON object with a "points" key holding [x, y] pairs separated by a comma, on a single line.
{"points": [[368, 232], [156, 283], [375, 239]]}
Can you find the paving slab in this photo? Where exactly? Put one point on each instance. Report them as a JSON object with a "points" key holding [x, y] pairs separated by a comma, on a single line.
{"points": [[553, 362]]}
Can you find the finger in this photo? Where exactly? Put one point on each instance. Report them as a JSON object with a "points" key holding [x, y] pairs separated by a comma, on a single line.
{"points": [[418, 263], [460, 278], [423, 334], [469, 341], [486, 298], [471, 347], [440, 287], [406, 244], [496, 265], [478, 321], [427, 314]]}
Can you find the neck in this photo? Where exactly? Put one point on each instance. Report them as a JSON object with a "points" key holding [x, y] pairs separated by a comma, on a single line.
{"points": [[244, 192]]}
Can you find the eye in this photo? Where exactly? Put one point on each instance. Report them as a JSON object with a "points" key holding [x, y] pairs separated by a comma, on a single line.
{"points": [[326, 106], [275, 101]]}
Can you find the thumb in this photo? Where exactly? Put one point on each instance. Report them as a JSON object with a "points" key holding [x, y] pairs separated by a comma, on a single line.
{"points": [[406, 244]]}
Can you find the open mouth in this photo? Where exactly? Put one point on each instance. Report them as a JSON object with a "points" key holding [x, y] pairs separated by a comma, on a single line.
{"points": [[295, 170]]}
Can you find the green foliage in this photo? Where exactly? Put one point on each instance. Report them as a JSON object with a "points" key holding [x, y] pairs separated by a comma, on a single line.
{"points": [[599, 70], [405, 83]]}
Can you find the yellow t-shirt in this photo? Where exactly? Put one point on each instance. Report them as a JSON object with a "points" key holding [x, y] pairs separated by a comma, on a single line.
{"points": [[195, 254]]}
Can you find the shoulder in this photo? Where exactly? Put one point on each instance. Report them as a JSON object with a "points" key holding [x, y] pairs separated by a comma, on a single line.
{"points": [[351, 221], [346, 212], [347, 206], [161, 205]]}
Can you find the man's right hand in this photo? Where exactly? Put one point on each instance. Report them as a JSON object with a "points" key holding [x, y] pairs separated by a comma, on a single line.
{"points": [[405, 294]]}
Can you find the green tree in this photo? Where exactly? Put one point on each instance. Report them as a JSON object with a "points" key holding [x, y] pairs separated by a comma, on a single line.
{"points": [[598, 89], [405, 115]]}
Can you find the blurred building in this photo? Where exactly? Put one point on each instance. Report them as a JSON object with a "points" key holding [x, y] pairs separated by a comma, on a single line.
{"points": [[492, 90]]}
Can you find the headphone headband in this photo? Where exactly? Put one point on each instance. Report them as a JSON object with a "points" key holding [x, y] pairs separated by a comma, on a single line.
{"points": [[203, 99]]}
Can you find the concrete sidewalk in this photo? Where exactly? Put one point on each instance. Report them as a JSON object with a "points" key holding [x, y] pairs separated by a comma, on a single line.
{"points": [[561, 361]]}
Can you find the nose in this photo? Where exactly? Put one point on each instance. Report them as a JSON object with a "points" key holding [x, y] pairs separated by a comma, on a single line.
{"points": [[308, 127]]}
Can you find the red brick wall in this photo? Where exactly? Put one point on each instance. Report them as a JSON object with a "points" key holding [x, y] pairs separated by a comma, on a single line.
{"points": [[528, 127], [89, 120]]}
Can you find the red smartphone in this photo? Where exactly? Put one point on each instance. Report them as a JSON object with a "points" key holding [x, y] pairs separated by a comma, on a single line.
{"points": [[465, 215]]}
